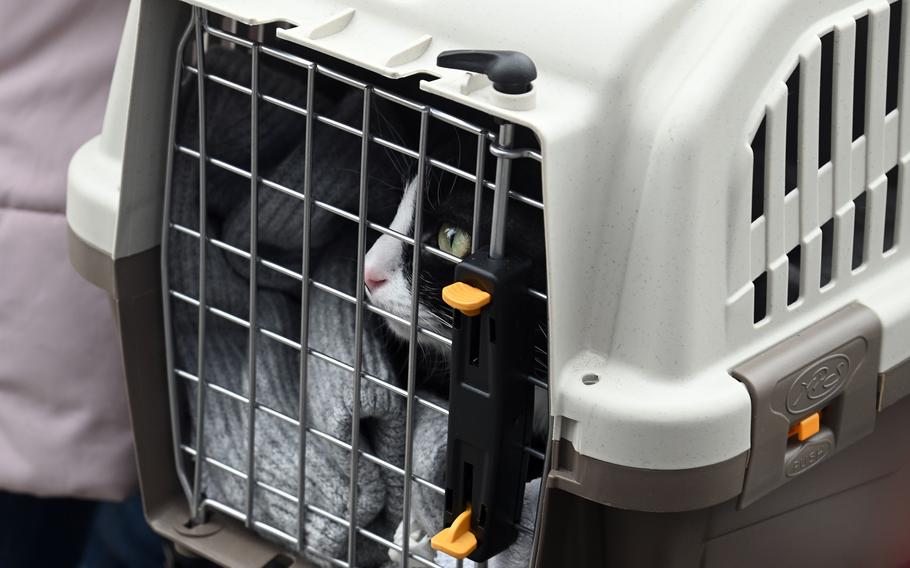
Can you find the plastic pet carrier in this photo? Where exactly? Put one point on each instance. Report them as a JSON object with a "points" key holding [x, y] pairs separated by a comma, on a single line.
{"points": [[496, 284]]}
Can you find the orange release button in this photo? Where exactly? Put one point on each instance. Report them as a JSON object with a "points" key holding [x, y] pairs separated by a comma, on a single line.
{"points": [[806, 428], [465, 298]]}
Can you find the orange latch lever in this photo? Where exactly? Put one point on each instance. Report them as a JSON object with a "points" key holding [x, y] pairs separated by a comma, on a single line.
{"points": [[465, 298], [457, 540]]}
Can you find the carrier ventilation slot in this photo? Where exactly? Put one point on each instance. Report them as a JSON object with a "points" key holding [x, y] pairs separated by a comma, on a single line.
{"points": [[758, 172], [792, 151], [821, 190], [891, 204], [825, 122], [860, 60]]}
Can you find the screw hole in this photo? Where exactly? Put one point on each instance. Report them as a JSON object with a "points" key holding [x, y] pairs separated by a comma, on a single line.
{"points": [[590, 379]]}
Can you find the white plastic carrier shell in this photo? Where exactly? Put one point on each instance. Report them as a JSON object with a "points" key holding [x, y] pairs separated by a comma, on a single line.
{"points": [[645, 113]]}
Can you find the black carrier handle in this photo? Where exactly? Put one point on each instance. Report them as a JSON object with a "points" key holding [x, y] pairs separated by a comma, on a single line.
{"points": [[510, 71], [490, 406]]}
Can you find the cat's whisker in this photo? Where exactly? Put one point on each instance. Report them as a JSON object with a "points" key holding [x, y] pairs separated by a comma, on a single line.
{"points": [[399, 162]]}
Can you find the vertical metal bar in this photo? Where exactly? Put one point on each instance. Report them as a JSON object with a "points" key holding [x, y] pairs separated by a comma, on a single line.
{"points": [[478, 189], [358, 326], [173, 391], [412, 339], [538, 519], [501, 195], [254, 257], [203, 239], [305, 308]]}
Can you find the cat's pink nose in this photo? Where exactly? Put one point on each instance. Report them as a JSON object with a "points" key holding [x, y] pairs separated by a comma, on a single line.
{"points": [[373, 279]]}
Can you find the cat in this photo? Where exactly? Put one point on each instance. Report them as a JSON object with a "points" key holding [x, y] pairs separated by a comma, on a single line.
{"points": [[447, 221]]}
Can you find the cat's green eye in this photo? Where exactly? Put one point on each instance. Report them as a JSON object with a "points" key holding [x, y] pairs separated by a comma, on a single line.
{"points": [[454, 240]]}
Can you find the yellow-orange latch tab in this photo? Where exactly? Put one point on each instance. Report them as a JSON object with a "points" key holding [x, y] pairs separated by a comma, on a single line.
{"points": [[806, 428], [465, 298], [457, 540]]}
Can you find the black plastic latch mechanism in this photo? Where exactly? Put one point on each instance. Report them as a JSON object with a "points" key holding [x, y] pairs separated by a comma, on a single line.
{"points": [[490, 405], [491, 400], [511, 72]]}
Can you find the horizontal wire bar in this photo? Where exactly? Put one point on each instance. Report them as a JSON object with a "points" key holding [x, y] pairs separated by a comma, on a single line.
{"points": [[537, 294], [286, 57], [217, 463], [275, 531], [514, 153], [459, 123], [340, 77], [537, 382], [227, 36], [283, 104], [521, 152], [533, 452], [239, 515], [233, 85], [215, 162], [392, 97], [389, 544], [332, 517]]}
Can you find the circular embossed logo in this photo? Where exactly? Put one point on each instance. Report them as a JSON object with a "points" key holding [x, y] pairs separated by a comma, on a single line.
{"points": [[818, 382]]}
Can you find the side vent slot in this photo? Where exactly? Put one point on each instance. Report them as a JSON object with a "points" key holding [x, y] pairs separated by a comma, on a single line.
{"points": [[761, 297], [894, 53], [758, 172], [793, 258], [891, 202], [859, 77], [792, 150], [827, 267], [859, 230], [826, 104]]}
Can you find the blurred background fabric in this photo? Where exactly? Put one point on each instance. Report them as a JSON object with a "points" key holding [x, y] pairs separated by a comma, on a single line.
{"points": [[64, 425], [68, 487]]}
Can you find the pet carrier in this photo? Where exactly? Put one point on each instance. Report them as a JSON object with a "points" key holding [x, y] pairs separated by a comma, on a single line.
{"points": [[354, 249]]}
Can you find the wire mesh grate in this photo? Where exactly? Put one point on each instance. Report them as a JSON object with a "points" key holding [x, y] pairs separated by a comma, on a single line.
{"points": [[380, 140]]}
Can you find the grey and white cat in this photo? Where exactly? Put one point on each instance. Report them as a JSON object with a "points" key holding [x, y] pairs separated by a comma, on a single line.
{"points": [[448, 209]]}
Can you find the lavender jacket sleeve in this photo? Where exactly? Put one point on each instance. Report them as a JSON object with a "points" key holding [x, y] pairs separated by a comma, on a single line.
{"points": [[64, 426]]}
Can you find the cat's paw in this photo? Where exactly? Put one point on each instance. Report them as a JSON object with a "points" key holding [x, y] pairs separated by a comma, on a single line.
{"points": [[419, 544]]}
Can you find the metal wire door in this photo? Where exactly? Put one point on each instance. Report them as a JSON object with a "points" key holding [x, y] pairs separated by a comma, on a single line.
{"points": [[193, 459]]}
